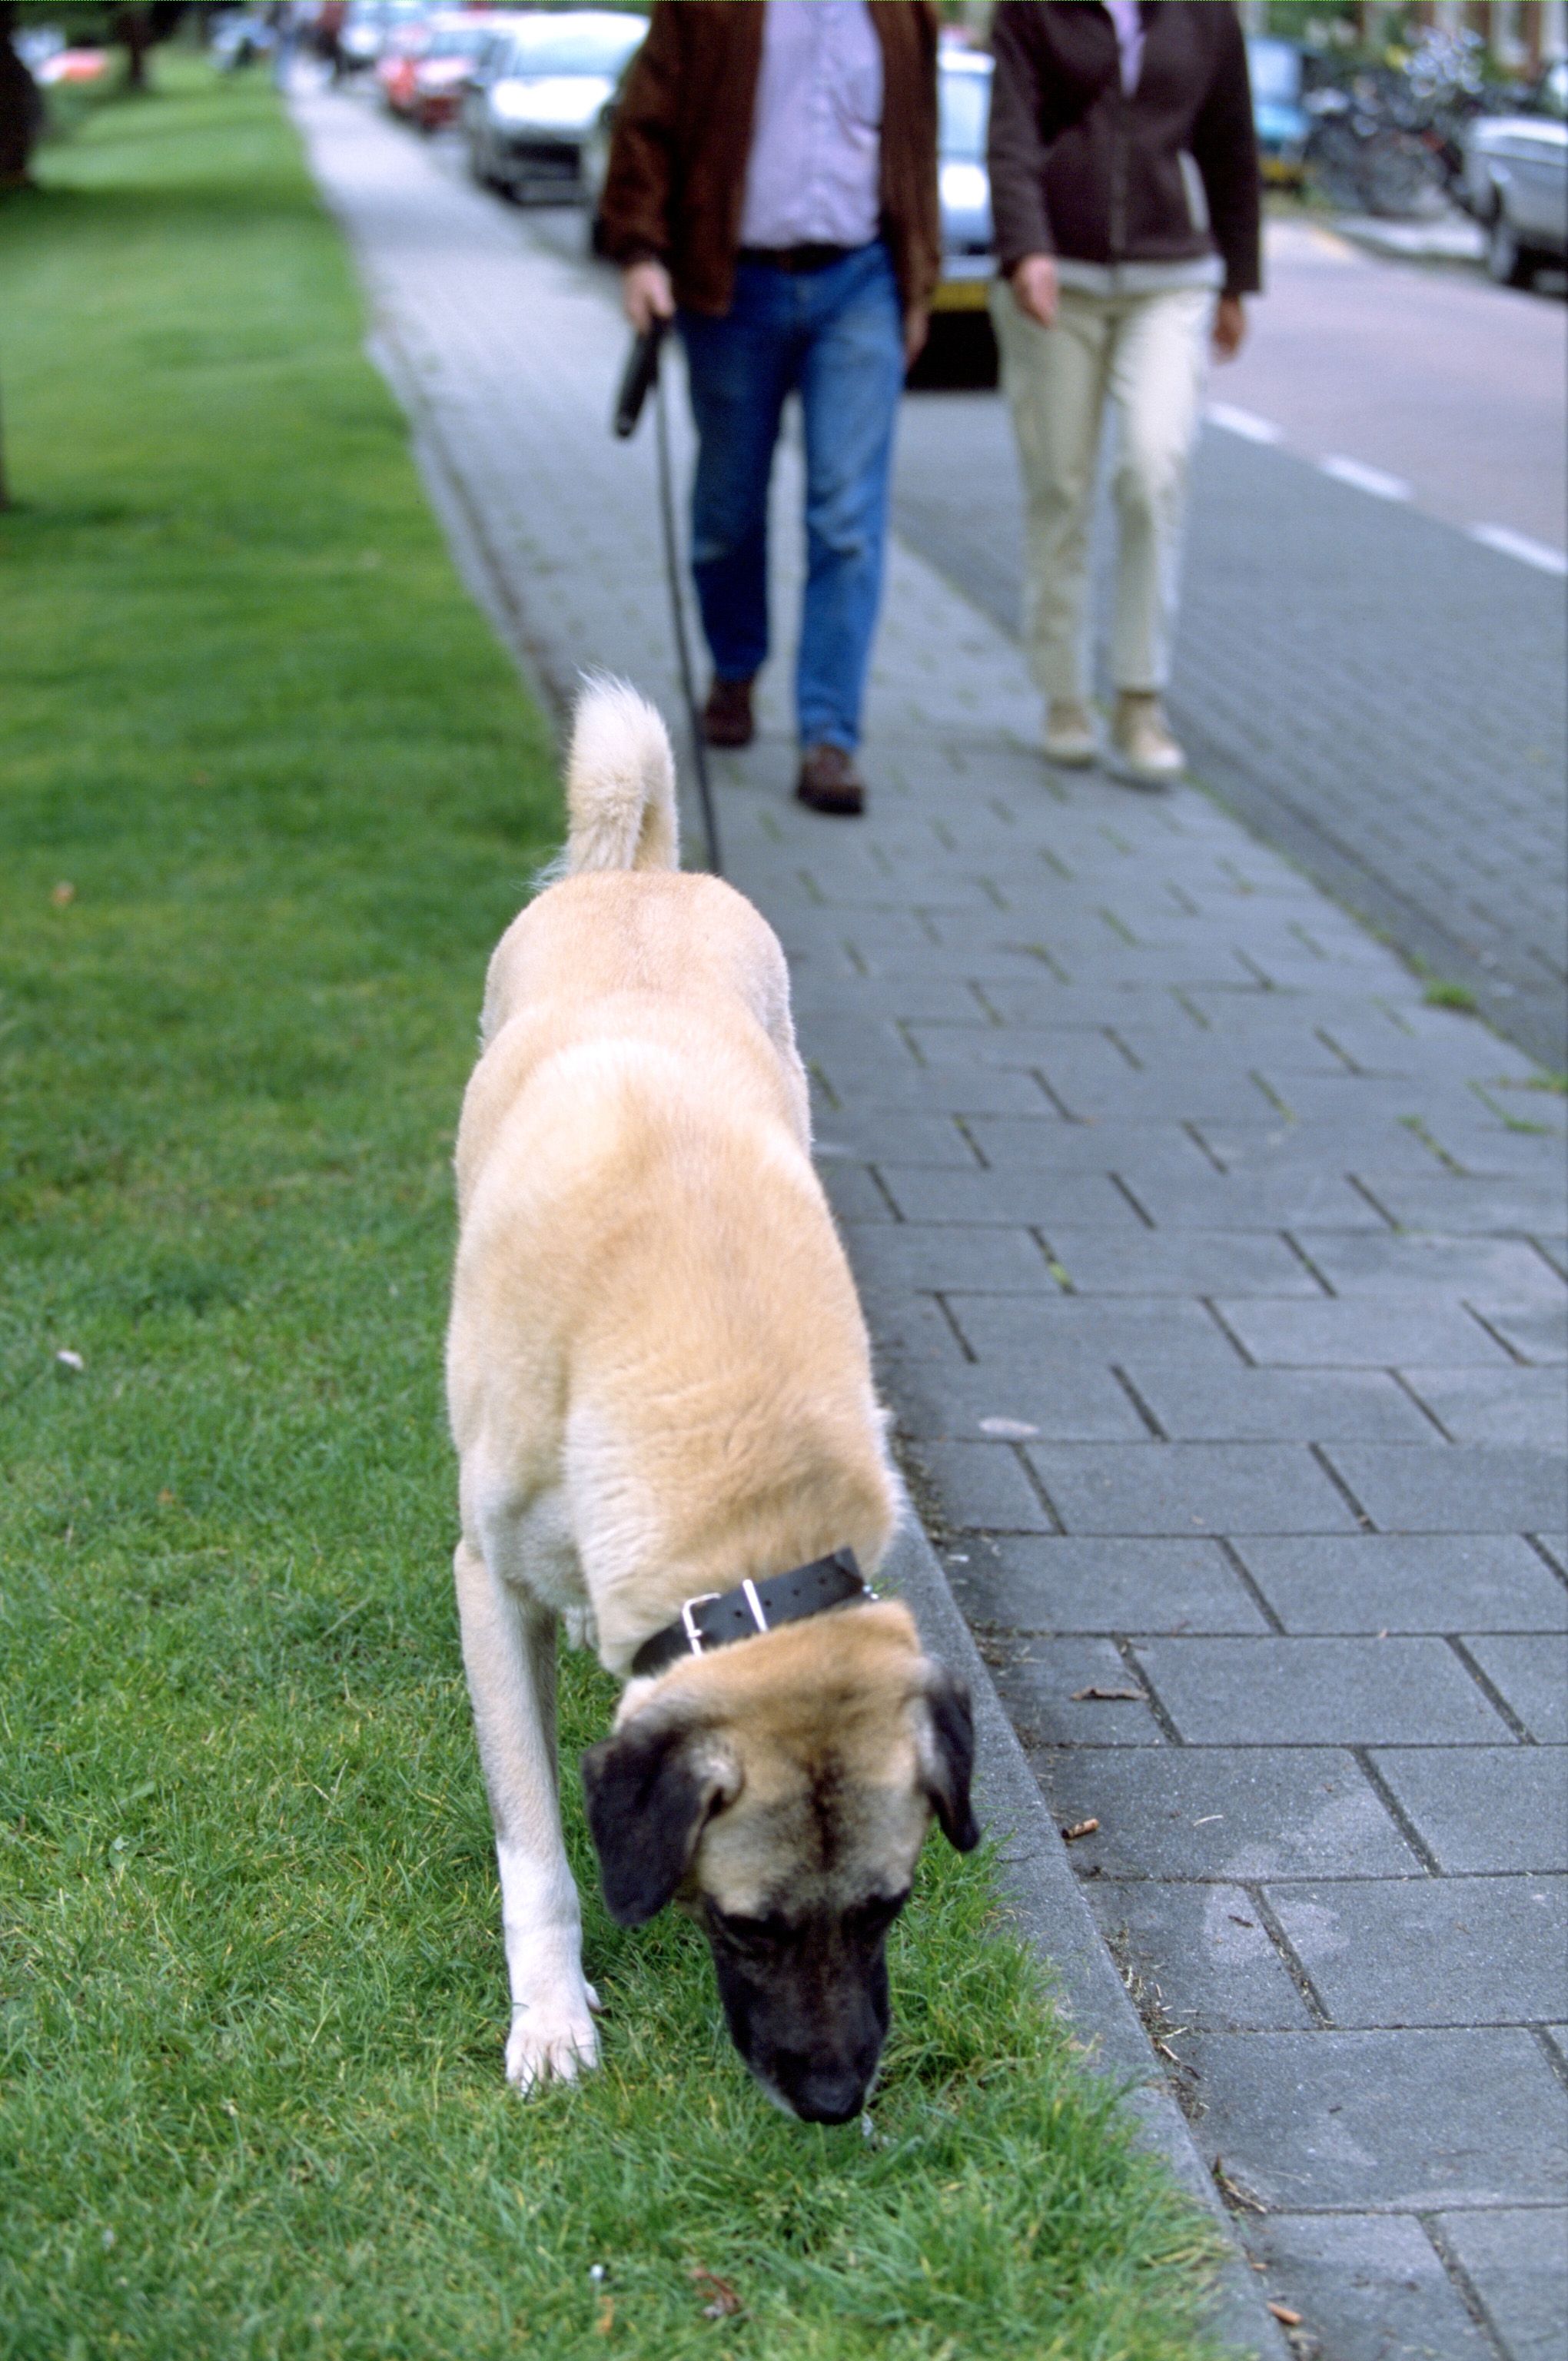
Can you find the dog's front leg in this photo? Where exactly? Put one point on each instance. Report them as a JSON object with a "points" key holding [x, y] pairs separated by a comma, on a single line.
{"points": [[509, 1651]]}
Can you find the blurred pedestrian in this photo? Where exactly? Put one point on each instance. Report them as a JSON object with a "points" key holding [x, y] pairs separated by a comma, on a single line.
{"points": [[330, 19], [772, 181], [1125, 196], [21, 108]]}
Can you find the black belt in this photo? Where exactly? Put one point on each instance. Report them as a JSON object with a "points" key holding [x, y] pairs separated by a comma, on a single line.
{"points": [[798, 258], [718, 1617]]}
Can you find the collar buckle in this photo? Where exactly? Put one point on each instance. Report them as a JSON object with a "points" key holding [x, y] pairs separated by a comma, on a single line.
{"points": [[689, 1623]]}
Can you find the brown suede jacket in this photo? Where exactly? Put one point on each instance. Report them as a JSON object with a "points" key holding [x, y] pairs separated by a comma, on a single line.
{"points": [[1080, 171], [683, 132]]}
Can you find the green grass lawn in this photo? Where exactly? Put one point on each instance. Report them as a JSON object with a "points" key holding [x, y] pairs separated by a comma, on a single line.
{"points": [[268, 793]]}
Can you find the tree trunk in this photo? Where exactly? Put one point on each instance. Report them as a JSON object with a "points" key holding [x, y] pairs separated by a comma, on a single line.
{"points": [[134, 29]]}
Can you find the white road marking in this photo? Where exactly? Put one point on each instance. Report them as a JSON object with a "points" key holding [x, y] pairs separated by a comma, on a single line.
{"points": [[1244, 422], [1519, 544], [1366, 480]]}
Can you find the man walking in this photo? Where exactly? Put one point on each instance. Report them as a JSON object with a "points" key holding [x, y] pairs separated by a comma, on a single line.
{"points": [[772, 181]]}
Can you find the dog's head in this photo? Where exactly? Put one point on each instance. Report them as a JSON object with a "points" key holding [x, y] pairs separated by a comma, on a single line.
{"points": [[780, 1791]]}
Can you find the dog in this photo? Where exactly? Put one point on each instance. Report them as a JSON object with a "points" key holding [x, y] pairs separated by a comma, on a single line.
{"points": [[660, 1396]]}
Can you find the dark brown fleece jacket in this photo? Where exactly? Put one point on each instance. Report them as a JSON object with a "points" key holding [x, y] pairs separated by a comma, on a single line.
{"points": [[683, 134], [1080, 171]]}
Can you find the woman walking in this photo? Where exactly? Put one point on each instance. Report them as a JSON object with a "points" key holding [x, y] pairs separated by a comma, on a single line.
{"points": [[1124, 194]]}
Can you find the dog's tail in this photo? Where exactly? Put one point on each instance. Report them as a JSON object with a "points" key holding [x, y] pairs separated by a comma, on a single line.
{"points": [[620, 783]]}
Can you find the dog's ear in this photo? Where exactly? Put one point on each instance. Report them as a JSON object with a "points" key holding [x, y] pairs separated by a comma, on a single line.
{"points": [[947, 1756], [650, 1789]]}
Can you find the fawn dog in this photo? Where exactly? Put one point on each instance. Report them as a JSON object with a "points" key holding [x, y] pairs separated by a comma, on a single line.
{"points": [[661, 1395]]}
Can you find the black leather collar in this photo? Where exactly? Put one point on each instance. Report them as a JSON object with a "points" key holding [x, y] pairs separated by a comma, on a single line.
{"points": [[716, 1618]]}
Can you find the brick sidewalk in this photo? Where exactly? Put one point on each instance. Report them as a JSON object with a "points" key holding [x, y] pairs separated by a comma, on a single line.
{"points": [[1218, 1286]]}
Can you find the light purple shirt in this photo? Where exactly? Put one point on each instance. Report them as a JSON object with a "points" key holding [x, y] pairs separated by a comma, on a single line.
{"points": [[814, 175], [1128, 19]]}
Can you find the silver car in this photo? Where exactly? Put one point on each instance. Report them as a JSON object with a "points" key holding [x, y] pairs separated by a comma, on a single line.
{"points": [[1516, 181], [537, 95]]}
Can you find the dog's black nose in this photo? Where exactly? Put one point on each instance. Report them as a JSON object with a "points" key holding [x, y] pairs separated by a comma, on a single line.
{"points": [[827, 2095]]}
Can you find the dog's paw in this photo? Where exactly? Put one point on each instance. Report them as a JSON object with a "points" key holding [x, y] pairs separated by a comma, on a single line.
{"points": [[582, 1629], [553, 2040]]}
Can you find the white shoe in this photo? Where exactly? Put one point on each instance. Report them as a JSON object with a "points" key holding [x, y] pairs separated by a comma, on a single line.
{"points": [[1070, 737], [1143, 750]]}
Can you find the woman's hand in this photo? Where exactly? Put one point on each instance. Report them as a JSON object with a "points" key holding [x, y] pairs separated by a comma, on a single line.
{"points": [[646, 295], [1229, 327], [1034, 288], [917, 328]]}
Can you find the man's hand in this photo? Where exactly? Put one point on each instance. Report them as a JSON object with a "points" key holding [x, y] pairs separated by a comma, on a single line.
{"points": [[1229, 327], [646, 295], [1034, 288], [917, 328]]}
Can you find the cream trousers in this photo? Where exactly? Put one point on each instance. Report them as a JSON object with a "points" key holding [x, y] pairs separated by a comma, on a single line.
{"points": [[1146, 353]]}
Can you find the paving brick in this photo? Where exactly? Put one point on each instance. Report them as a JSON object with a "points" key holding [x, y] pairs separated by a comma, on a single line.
{"points": [[1382, 1334], [1060, 1584], [1411, 2120], [852, 1191], [1232, 1201], [959, 1091], [1422, 1262], [944, 1256], [1256, 1150], [1369, 2287], [1224, 1813], [1190, 1487], [1050, 1146], [1436, 1950], [1040, 1680], [1508, 1406], [1008, 1198], [1243, 1405], [869, 1135], [1074, 1403], [1075, 1328], [1400, 1582], [1451, 1203], [1536, 1332], [1311, 1692], [1468, 1487], [983, 1485], [1201, 1952], [1179, 1262], [1531, 1674], [1480, 1809], [1517, 2261]]}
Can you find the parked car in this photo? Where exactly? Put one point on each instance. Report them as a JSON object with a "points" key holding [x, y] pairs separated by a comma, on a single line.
{"points": [[1279, 119], [423, 75], [537, 95], [371, 26], [1516, 181]]}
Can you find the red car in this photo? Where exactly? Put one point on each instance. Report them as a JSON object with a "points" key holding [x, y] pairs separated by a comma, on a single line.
{"points": [[422, 74]]}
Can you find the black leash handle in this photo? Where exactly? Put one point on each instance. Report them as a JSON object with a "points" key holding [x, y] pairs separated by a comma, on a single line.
{"points": [[641, 371], [641, 375]]}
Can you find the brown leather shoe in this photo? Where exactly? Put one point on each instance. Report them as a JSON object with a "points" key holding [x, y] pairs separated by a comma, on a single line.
{"points": [[828, 781], [727, 716]]}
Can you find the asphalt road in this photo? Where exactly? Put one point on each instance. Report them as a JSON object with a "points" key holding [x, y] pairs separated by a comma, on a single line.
{"points": [[1376, 691]]}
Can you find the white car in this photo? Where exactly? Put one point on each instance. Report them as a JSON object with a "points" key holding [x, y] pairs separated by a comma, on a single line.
{"points": [[538, 95], [1516, 181]]}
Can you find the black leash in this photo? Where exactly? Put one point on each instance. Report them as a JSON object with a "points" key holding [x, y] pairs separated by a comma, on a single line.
{"points": [[643, 372]]}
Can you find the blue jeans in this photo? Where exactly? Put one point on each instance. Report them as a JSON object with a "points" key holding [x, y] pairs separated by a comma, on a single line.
{"points": [[836, 336]]}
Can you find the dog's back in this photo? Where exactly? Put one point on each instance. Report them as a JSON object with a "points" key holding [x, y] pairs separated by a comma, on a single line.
{"points": [[651, 1307]]}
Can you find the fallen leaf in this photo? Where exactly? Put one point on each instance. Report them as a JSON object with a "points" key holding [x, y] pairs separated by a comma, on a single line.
{"points": [[725, 2302], [1109, 1697], [606, 2320], [63, 894], [1285, 2316], [1080, 1829]]}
